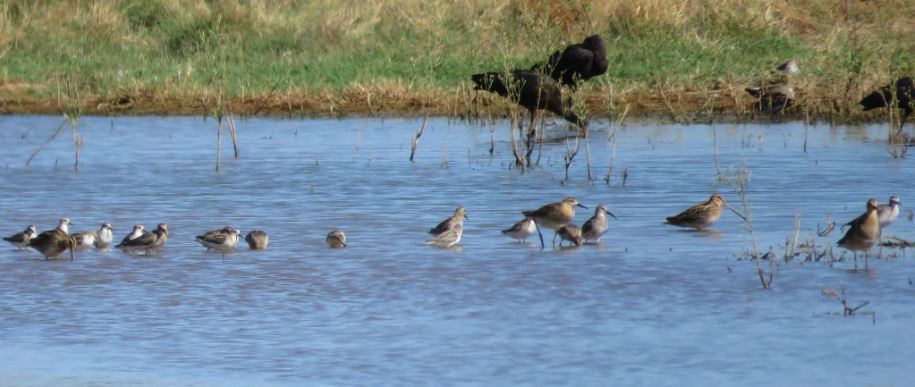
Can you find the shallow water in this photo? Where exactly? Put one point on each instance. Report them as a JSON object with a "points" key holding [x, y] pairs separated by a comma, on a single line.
{"points": [[651, 305]]}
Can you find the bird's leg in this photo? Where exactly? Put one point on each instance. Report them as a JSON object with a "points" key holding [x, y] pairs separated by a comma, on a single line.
{"points": [[542, 245], [856, 260], [904, 116]]}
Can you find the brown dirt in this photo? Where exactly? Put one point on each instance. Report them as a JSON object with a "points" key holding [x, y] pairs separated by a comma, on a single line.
{"points": [[721, 102]]}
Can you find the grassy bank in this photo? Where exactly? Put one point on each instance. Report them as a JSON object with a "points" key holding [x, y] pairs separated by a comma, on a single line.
{"points": [[399, 57]]}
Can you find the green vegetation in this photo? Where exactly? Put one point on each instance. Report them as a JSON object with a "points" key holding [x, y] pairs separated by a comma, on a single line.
{"points": [[321, 56]]}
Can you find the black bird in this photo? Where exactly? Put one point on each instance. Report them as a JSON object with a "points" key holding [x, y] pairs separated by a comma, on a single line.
{"points": [[904, 98], [530, 89], [576, 63]]}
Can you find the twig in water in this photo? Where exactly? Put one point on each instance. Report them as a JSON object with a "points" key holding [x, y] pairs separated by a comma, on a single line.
{"points": [[42, 145], [719, 176], [218, 140], [233, 130], [419, 133], [569, 155]]}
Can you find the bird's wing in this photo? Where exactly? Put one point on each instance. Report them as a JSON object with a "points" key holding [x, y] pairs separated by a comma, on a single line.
{"points": [[147, 239]]}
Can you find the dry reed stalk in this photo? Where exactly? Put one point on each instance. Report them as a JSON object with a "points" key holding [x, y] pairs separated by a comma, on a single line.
{"points": [[233, 130], [45, 143], [569, 155], [416, 137]]}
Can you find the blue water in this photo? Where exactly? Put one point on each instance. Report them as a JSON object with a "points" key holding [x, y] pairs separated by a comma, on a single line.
{"points": [[651, 305]]}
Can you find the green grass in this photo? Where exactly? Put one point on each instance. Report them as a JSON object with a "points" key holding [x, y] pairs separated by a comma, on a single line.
{"points": [[245, 48]]}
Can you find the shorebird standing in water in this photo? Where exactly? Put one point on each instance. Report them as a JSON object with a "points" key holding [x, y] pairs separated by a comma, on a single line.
{"points": [[257, 239], [448, 224], [522, 229], [569, 232], [99, 239], [134, 234], [21, 239], [149, 242], [105, 236], [554, 215], [222, 240], [52, 243], [448, 238], [864, 232], [595, 227], [702, 215], [887, 213], [336, 239]]}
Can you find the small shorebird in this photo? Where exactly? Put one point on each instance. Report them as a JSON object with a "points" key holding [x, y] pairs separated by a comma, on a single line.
{"points": [[223, 239], [105, 236], [554, 215], [789, 67], [778, 93], [900, 95], [455, 220], [701, 215], [52, 243], [84, 240], [569, 232], [257, 239], [87, 239], [864, 232], [336, 239], [136, 233], [773, 97], [148, 242], [595, 227], [887, 213], [448, 238], [522, 229], [21, 239]]}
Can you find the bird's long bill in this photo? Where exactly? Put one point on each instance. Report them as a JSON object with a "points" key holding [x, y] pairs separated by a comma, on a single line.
{"points": [[736, 212], [609, 213], [581, 205], [465, 217]]}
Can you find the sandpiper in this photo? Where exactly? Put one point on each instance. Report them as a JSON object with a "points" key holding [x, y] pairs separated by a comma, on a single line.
{"points": [[455, 220], [595, 227], [554, 215], [773, 97], [21, 239], [223, 239], [105, 236], [148, 242], [336, 239], [448, 238], [85, 239], [701, 215], [257, 239], [52, 243], [789, 67], [522, 229], [864, 232], [887, 213], [136, 233], [569, 232]]}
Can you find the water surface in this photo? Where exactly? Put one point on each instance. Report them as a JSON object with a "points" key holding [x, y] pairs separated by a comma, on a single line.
{"points": [[651, 305]]}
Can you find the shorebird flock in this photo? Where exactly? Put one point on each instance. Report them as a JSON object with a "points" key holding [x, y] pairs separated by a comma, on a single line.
{"points": [[864, 231], [539, 87]]}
